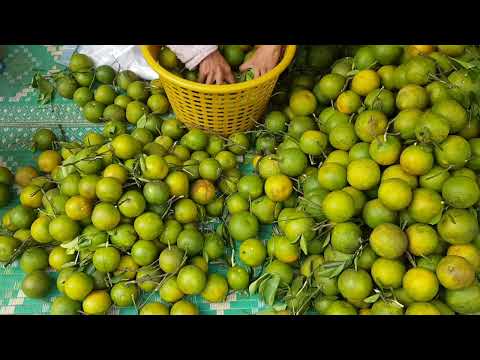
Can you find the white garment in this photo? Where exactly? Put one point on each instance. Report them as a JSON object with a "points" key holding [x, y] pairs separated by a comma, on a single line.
{"points": [[123, 57], [120, 57]]}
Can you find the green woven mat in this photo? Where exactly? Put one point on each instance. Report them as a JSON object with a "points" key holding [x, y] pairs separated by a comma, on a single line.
{"points": [[20, 116]]}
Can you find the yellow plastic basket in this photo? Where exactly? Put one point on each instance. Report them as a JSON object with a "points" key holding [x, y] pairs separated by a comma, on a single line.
{"points": [[220, 109]]}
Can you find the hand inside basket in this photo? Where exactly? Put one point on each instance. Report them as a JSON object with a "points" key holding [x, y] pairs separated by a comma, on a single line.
{"points": [[215, 69], [264, 59]]}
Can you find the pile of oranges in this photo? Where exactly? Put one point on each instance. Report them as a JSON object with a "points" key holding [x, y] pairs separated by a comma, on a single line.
{"points": [[365, 177]]}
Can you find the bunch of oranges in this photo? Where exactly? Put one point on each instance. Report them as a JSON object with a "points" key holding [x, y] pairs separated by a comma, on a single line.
{"points": [[380, 149], [365, 170]]}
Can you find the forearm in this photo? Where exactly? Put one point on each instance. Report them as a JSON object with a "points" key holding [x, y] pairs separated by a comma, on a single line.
{"points": [[192, 55]]}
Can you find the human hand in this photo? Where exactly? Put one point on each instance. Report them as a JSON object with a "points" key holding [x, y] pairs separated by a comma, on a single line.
{"points": [[214, 68], [264, 59]]}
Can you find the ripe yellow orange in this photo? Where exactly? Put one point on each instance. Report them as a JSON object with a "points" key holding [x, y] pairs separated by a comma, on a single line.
{"points": [[414, 50], [49, 160], [278, 187], [420, 284], [78, 208], [365, 81], [116, 171], [348, 102], [469, 252]]}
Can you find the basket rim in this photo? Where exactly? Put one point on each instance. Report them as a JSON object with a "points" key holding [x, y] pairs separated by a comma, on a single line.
{"points": [[216, 89]]}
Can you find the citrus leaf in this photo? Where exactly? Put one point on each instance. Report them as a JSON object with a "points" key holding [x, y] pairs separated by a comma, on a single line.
{"points": [[90, 269], [331, 269], [297, 284], [205, 255], [249, 75], [261, 287], [253, 287], [326, 241], [34, 83], [464, 64], [296, 239], [142, 122], [71, 244], [436, 219], [44, 87], [143, 164], [269, 289], [69, 264], [338, 271], [117, 278], [372, 299], [303, 245]]}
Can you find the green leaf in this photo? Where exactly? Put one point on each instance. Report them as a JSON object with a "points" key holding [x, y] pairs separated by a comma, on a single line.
{"points": [[338, 271], [261, 287], [118, 278], [297, 284], [44, 87], [269, 289], [205, 255], [249, 75], [143, 164], [326, 241], [58, 75], [352, 73], [90, 269], [464, 64], [436, 219], [296, 239], [372, 299], [253, 287], [361, 109], [331, 269], [34, 83], [303, 245], [69, 264], [142, 122], [71, 244]]}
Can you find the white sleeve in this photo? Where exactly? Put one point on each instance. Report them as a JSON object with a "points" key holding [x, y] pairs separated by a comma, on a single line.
{"points": [[192, 55], [120, 57]]}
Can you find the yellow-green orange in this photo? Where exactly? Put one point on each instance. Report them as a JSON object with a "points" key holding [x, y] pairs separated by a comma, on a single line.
{"points": [[416, 160], [425, 206], [365, 81], [388, 273], [278, 187], [422, 239], [395, 194], [454, 272], [388, 241], [363, 174], [469, 252], [338, 206], [420, 284], [458, 226]]}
